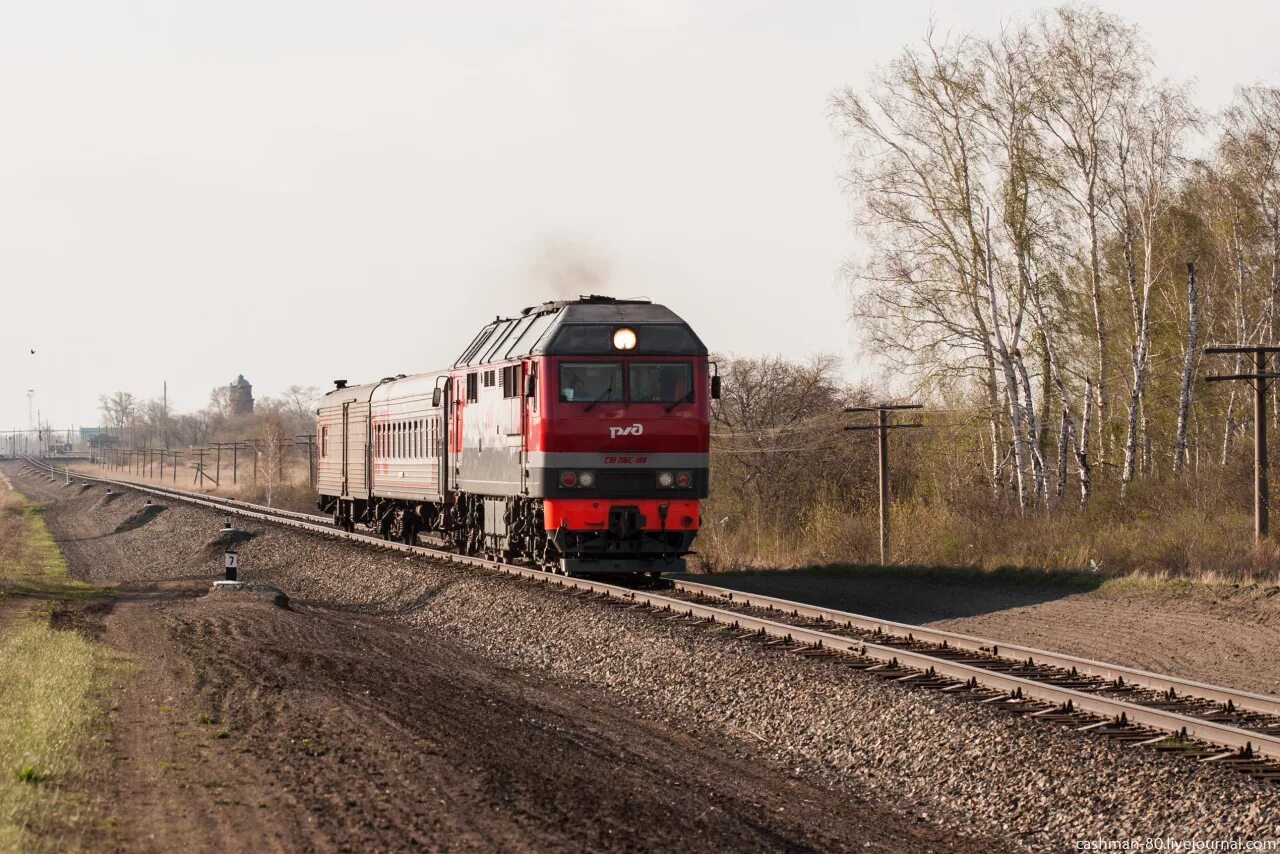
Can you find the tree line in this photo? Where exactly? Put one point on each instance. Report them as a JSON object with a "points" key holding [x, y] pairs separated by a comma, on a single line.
{"points": [[141, 423], [1051, 234]]}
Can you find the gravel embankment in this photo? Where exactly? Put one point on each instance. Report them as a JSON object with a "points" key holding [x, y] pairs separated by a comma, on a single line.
{"points": [[959, 765]]}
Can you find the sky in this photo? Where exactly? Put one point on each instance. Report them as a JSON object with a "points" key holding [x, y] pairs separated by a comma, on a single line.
{"points": [[306, 191]]}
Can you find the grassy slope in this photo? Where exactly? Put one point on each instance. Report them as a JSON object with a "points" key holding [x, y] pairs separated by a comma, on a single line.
{"points": [[50, 682]]}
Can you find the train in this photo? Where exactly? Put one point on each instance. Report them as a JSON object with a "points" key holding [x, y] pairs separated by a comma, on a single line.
{"points": [[574, 436]]}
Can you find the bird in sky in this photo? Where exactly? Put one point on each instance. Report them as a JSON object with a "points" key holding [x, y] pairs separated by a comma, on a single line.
{"points": [[33, 352]]}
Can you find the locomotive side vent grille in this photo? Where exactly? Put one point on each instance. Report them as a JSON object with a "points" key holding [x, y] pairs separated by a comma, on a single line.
{"points": [[511, 381]]}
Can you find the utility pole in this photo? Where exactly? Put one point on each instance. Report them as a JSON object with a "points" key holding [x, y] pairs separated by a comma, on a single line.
{"points": [[882, 428], [235, 447], [309, 442], [200, 454], [1261, 485]]}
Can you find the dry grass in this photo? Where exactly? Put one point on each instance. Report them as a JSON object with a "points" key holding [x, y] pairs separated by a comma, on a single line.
{"points": [[292, 493], [1200, 530]]}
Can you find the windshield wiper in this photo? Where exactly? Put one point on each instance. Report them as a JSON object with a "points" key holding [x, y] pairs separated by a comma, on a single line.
{"points": [[592, 404], [686, 399]]}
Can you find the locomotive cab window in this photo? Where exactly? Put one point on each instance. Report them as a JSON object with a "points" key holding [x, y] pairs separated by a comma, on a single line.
{"points": [[659, 382], [473, 387], [589, 382]]}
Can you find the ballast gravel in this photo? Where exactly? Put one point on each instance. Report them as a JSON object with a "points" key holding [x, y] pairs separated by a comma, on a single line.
{"points": [[947, 762]]}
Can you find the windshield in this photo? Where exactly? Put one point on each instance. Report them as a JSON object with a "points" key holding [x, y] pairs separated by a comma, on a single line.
{"points": [[659, 382], [585, 382], [646, 382]]}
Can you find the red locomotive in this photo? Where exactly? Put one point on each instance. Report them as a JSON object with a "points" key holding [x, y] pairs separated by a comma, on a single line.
{"points": [[575, 435]]}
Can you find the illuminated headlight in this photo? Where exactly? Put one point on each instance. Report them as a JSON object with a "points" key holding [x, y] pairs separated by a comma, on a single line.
{"points": [[666, 479], [624, 338], [568, 478], [586, 479]]}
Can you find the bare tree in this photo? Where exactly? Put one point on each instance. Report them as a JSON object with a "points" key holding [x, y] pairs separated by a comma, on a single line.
{"points": [[917, 145], [118, 410], [271, 443], [300, 401]]}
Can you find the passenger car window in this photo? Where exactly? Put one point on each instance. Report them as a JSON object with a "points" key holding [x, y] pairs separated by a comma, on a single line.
{"points": [[660, 382], [585, 382]]}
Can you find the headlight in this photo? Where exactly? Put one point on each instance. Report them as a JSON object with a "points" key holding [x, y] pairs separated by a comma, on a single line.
{"points": [[568, 478], [683, 479], [624, 338], [666, 479], [586, 479]]}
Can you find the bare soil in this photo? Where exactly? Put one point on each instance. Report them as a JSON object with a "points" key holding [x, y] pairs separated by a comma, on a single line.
{"points": [[1224, 634], [251, 725]]}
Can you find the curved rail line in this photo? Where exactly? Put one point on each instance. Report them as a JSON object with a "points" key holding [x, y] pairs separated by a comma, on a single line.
{"points": [[1250, 750]]}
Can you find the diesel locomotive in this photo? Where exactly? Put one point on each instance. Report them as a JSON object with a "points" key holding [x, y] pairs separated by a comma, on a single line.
{"points": [[575, 436]]}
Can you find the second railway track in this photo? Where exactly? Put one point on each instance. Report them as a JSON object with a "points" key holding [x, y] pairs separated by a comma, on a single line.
{"points": [[1214, 723]]}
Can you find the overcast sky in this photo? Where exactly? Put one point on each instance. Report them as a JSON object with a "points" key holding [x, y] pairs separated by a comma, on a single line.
{"points": [[311, 190]]}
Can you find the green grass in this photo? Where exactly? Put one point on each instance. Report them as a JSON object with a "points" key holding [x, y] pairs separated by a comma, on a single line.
{"points": [[31, 551], [31, 563], [51, 683]]}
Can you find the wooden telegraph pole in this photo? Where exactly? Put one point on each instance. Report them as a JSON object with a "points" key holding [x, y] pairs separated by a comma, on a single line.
{"points": [[235, 447], [1261, 486], [882, 428], [309, 442]]}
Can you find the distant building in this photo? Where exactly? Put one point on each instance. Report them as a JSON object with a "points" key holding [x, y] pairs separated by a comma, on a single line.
{"points": [[241, 397]]}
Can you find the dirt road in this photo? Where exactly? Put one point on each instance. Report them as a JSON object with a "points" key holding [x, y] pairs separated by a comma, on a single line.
{"points": [[249, 724]]}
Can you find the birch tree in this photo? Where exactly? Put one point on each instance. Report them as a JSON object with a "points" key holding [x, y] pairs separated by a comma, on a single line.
{"points": [[1148, 162], [1188, 365], [1095, 63], [916, 143]]}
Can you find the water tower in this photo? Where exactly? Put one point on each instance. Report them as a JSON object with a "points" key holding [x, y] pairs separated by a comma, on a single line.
{"points": [[241, 396]]}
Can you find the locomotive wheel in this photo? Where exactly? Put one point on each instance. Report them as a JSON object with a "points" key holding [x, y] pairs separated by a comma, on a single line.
{"points": [[393, 526]]}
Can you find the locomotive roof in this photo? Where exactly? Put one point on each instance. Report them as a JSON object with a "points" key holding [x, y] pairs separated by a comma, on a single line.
{"points": [[534, 331]]}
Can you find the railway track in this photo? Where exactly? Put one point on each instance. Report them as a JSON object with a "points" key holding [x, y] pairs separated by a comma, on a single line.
{"points": [[1215, 724]]}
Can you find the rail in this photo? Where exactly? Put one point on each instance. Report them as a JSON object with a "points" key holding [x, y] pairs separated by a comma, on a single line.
{"points": [[1242, 744]]}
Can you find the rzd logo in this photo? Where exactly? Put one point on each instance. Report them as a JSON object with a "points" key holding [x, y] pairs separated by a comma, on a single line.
{"points": [[633, 430]]}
